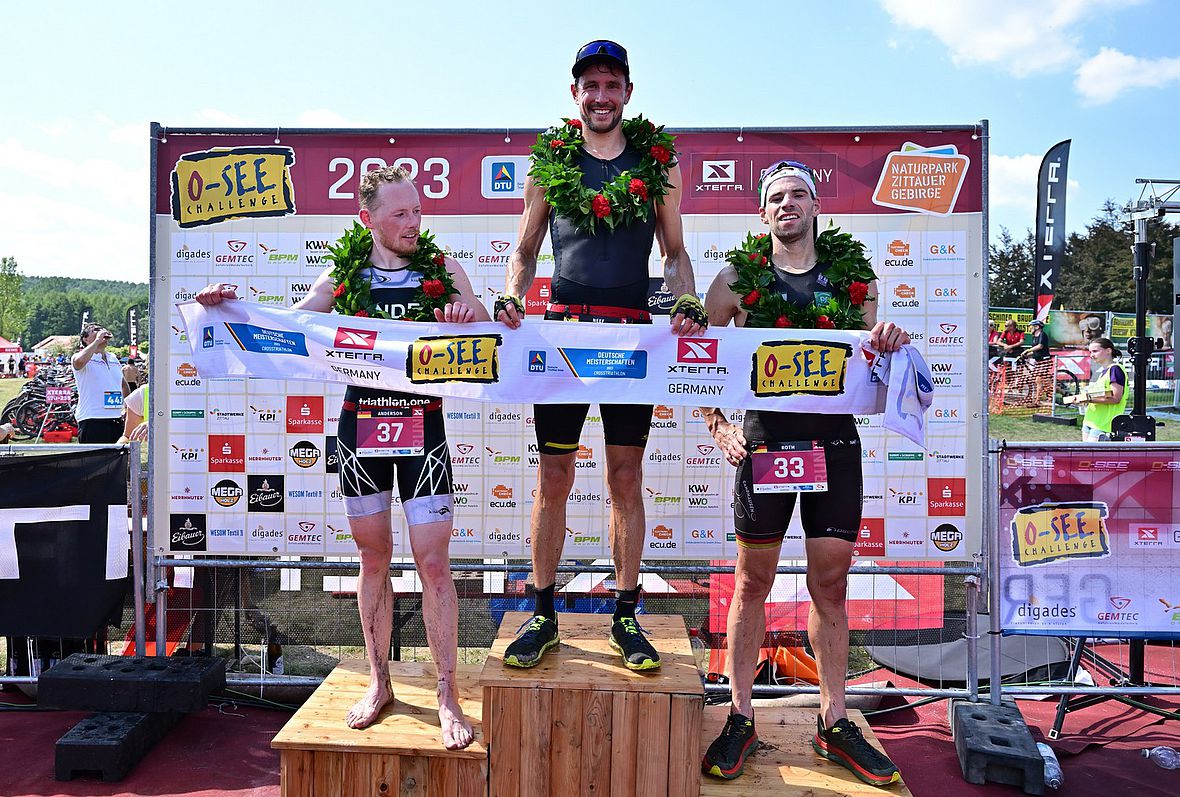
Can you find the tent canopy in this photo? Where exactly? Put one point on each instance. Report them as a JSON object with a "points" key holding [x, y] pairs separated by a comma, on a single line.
{"points": [[8, 347]]}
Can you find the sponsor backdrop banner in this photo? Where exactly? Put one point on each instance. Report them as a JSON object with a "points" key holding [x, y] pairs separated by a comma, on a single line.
{"points": [[1089, 542], [63, 542], [248, 467]]}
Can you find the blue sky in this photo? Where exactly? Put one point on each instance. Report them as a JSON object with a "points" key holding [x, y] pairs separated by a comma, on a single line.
{"points": [[83, 81]]}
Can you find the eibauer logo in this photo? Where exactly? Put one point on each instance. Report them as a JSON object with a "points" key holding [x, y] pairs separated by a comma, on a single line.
{"points": [[922, 179]]}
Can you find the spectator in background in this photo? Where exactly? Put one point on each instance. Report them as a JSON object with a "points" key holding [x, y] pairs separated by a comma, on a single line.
{"points": [[100, 387], [993, 340], [1011, 339], [1038, 348], [1106, 396], [135, 411]]}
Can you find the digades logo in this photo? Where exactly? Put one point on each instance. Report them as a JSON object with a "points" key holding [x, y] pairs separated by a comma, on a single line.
{"points": [[454, 358], [789, 367], [240, 182]]}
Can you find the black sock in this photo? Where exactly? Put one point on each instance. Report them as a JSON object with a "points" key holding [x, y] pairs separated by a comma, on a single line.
{"points": [[544, 602], [625, 602]]}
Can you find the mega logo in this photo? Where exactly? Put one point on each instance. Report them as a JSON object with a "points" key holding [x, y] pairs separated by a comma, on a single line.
{"points": [[266, 493], [946, 537], [240, 182], [454, 358], [305, 414], [304, 454], [227, 453], [946, 497], [226, 493], [350, 338], [790, 367], [187, 532]]}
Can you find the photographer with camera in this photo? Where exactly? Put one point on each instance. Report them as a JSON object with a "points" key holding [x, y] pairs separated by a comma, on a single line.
{"points": [[100, 387]]}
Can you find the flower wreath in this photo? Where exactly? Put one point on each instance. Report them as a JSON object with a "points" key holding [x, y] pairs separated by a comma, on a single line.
{"points": [[848, 274], [620, 202], [352, 297]]}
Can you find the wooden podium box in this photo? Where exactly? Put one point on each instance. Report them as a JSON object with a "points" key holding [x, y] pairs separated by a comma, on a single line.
{"points": [[580, 723], [400, 754]]}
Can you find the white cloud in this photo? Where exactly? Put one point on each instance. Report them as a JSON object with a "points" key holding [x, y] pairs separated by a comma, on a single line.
{"points": [[1021, 36], [1108, 74], [1012, 184]]}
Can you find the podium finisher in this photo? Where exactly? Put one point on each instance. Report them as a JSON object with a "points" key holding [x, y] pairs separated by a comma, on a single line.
{"points": [[605, 188]]}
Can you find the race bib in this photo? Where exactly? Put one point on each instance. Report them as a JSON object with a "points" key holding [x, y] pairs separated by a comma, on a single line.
{"points": [[792, 467], [112, 398], [390, 432]]}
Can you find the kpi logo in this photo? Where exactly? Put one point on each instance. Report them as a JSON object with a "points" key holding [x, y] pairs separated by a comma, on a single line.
{"points": [[348, 338]]}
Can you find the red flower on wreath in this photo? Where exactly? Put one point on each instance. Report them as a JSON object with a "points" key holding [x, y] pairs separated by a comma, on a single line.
{"points": [[433, 288], [823, 322], [601, 206], [660, 153], [556, 143], [361, 314], [638, 187], [782, 322], [439, 260], [858, 292], [340, 289], [575, 123], [751, 298]]}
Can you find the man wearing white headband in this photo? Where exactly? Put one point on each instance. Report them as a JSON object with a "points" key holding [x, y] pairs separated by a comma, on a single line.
{"points": [[804, 291]]}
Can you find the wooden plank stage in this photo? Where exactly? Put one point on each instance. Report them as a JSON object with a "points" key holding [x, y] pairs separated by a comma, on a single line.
{"points": [[580, 723], [400, 754], [785, 764]]}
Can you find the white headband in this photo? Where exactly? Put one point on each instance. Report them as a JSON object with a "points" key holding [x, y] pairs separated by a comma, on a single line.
{"points": [[785, 171]]}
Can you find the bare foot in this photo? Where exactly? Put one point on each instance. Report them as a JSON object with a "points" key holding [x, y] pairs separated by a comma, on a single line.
{"points": [[456, 730], [365, 712]]}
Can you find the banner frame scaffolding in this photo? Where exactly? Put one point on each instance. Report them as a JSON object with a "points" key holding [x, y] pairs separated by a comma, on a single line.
{"points": [[975, 574]]}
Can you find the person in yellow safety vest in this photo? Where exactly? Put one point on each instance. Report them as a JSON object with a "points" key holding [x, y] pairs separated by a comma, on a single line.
{"points": [[1108, 386]]}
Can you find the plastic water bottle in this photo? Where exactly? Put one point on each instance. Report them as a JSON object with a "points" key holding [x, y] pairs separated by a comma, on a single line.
{"points": [[1165, 757], [1054, 777]]}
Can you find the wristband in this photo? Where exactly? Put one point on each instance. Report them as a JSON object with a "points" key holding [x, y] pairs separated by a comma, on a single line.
{"points": [[691, 308], [505, 299]]}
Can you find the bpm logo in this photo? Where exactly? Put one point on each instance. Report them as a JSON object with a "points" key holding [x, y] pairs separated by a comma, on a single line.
{"points": [[348, 338], [503, 177], [690, 350]]}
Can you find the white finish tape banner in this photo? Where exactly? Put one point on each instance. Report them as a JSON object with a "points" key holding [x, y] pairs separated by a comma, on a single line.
{"points": [[548, 362]]}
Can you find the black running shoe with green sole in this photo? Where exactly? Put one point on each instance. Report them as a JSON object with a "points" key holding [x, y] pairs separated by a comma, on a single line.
{"points": [[626, 636], [726, 757], [537, 635], [844, 744]]}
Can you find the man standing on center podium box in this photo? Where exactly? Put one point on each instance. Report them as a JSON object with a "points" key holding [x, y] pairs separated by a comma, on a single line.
{"points": [[605, 188]]}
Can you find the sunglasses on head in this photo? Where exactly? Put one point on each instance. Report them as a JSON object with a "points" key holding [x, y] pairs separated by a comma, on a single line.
{"points": [[602, 47], [774, 167]]}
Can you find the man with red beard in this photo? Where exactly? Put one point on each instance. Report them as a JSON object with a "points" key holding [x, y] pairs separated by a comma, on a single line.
{"points": [[808, 285], [391, 210], [600, 275]]}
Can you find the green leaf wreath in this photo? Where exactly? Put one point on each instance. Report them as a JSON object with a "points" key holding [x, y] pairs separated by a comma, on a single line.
{"points": [[350, 255], [625, 199], [848, 275]]}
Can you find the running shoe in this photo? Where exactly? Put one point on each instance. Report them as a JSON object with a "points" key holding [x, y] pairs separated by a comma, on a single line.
{"points": [[537, 635], [626, 636], [726, 757], [844, 744]]}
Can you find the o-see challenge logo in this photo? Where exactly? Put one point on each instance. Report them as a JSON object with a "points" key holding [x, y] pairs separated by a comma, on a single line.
{"points": [[1050, 531], [454, 358], [789, 367], [240, 182]]}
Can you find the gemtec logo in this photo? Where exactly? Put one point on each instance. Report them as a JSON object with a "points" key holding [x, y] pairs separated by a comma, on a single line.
{"points": [[948, 335], [305, 414], [349, 338], [706, 457], [1119, 615], [500, 248]]}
